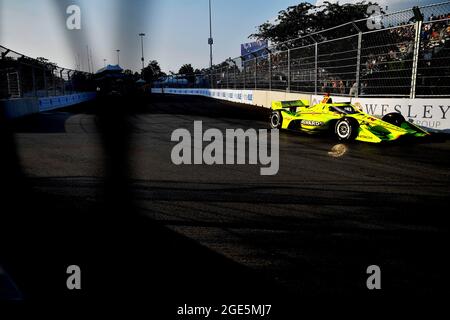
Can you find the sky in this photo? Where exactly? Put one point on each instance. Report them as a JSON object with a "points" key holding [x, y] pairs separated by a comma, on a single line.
{"points": [[176, 30]]}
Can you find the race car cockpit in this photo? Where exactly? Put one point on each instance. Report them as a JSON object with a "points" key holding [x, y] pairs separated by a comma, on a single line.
{"points": [[344, 109]]}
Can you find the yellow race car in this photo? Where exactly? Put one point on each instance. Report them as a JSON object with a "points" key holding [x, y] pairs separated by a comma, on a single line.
{"points": [[344, 120]]}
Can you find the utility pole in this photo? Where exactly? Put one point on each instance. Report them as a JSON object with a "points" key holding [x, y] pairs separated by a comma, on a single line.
{"points": [[78, 61], [142, 35], [118, 57], [104, 63], [92, 61], [210, 42], [88, 62]]}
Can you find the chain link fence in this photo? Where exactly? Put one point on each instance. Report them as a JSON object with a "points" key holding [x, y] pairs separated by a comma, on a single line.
{"points": [[394, 54], [386, 61], [433, 69], [22, 77]]}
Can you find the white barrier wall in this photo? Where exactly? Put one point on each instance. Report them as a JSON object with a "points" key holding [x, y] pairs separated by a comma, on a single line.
{"points": [[433, 114], [241, 96], [429, 113]]}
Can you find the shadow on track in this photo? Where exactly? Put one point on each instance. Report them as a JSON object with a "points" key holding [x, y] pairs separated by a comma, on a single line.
{"points": [[202, 106], [123, 255]]}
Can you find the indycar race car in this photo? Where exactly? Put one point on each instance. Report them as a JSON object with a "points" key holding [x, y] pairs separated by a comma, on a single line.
{"points": [[346, 121]]}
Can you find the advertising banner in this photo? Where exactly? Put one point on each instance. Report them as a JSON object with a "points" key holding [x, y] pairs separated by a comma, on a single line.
{"points": [[255, 47], [432, 114], [428, 113]]}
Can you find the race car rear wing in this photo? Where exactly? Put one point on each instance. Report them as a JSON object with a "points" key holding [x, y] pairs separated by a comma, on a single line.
{"points": [[291, 105]]}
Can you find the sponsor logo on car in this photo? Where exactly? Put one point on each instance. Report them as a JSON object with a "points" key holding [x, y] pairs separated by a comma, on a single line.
{"points": [[312, 123]]}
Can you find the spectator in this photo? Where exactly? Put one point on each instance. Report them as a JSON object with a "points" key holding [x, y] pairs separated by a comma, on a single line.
{"points": [[335, 86], [325, 87], [392, 55], [341, 87], [428, 57], [364, 88], [354, 89]]}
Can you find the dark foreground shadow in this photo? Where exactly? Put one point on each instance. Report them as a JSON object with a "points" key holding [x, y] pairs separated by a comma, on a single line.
{"points": [[123, 256]]}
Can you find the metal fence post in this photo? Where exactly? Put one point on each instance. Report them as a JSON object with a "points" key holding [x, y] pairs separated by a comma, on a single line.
{"points": [[54, 82], [245, 75], [270, 70], [256, 73], [358, 63], [228, 77], [71, 82], [288, 89], [234, 75], [418, 27], [62, 81], [33, 74], [316, 67], [211, 77], [213, 85], [20, 81], [45, 82]]}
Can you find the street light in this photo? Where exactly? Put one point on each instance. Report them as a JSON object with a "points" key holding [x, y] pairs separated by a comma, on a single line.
{"points": [[210, 42], [142, 35], [118, 57], [104, 63]]}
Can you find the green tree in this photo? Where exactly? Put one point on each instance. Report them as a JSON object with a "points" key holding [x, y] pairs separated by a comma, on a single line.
{"points": [[305, 18], [128, 72], [304, 23], [152, 72], [188, 71]]}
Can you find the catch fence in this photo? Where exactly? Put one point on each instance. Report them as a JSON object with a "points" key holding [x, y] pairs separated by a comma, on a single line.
{"points": [[396, 55], [22, 77]]}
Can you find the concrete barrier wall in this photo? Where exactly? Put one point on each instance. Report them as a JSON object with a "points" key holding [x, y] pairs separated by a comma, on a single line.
{"points": [[51, 103], [433, 114], [264, 98], [240, 96], [16, 108]]}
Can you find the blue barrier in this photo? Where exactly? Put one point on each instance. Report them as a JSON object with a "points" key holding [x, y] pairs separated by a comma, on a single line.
{"points": [[51, 103], [15, 108]]}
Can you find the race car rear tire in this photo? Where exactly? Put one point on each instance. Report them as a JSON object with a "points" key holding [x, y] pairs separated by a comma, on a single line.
{"points": [[276, 120], [346, 129], [394, 118]]}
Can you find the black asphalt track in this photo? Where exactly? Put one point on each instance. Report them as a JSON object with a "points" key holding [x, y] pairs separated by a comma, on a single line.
{"points": [[94, 185]]}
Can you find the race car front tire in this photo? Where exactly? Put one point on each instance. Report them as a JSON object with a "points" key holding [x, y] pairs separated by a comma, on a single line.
{"points": [[276, 120], [346, 129]]}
